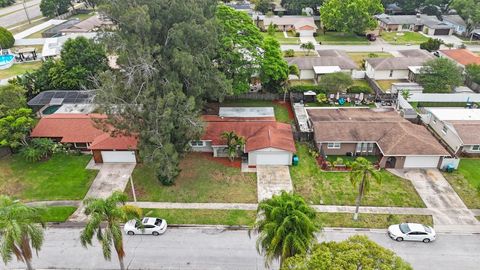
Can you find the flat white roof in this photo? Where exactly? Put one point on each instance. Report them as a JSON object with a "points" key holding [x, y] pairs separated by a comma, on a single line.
{"points": [[246, 112], [456, 114], [415, 69], [326, 69]]}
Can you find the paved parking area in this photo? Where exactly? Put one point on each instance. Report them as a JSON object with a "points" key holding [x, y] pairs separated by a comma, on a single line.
{"points": [[272, 180]]}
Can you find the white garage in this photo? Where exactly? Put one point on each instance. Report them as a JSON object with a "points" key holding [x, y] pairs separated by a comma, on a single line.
{"points": [[421, 161], [269, 156], [119, 157]]}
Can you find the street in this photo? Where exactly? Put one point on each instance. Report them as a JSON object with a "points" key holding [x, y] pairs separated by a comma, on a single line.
{"points": [[211, 248], [16, 14]]}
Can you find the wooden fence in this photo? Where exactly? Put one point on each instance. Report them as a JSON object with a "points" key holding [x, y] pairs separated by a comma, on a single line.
{"points": [[257, 96]]}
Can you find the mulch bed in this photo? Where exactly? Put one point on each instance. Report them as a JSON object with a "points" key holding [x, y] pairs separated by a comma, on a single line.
{"points": [[287, 105], [237, 163]]}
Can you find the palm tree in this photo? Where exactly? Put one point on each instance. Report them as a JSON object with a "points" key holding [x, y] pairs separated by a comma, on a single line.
{"points": [[309, 46], [361, 175], [234, 143], [109, 212], [21, 229], [286, 226]]}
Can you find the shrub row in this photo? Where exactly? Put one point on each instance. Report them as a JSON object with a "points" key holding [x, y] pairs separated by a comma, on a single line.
{"points": [[355, 89]]}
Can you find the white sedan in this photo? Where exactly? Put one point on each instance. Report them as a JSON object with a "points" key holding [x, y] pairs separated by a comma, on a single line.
{"points": [[411, 232], [149, 225]]}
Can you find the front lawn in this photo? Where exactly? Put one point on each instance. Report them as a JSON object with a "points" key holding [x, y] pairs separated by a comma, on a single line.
{"points": [[57, 213], [334, 188], [19, 69], [63, 177], [358, 57], [337, 38], [403, 37], [282, 39], [373, 221], [203, 179], [282, 112], [301, 82], [386, 85], [466, 182]]}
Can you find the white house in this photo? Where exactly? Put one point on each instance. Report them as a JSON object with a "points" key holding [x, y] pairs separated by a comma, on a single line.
{"points": [[396, 68], [458, 24]]}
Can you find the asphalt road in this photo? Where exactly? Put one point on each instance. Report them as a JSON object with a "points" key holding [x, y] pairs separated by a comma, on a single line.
{"points": [[16, 14], [216, 249]]}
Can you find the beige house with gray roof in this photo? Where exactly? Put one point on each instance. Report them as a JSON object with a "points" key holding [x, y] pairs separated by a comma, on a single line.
{"points": [[396, 68]]}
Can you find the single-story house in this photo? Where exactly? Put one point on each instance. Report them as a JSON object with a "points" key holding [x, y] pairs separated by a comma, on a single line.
{"points": [[396, 142], [304, 25], [267, 142], [328, 61], [457, 127], [91, 24], [429, 25], [458, 24], [397, 68], [56, 30], [462, 57], [83, 133]]}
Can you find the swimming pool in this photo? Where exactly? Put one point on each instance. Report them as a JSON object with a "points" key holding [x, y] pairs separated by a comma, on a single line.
{"points": [[51, 109], [6, 61]]}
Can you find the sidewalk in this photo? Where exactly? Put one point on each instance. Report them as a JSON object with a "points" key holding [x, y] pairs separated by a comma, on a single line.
{"points": [[37, 28]]}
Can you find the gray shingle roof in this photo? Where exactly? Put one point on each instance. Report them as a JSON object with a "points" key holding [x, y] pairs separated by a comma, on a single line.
{"points": [[410, 58], [326, 58], [421, 19]]}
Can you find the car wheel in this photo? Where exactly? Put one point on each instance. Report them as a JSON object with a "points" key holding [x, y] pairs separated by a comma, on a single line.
{"points": [[399, 239], [130, 233], [426, 240], [156, 233]]}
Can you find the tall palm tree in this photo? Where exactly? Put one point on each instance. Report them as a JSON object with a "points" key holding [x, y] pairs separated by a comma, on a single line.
{"points": [[109, 212], [234, 143], [286, 226], [361, 175], [21, 229]]}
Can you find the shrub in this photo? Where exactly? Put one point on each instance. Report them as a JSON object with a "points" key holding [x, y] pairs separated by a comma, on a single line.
{"points": [[321, 98], [289, 53], [431, 44], [338, 162], [357, 89], [297, 34], [30, 153], [41, 149], [6, 38], [336, 82]]}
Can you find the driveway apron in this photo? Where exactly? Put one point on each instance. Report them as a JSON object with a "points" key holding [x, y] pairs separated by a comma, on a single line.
{"points": [[271, 180]]}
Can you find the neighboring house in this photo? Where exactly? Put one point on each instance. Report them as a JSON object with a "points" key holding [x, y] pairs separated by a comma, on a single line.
{"points": [[72, 101], [303, 25], [56, 30], [91, 24], [429, 25], [82, 132], [396, 142], [458, 24], [459, 128], [267, 142], [462, 57], [328, 61], [53, 46], [397, 68]]}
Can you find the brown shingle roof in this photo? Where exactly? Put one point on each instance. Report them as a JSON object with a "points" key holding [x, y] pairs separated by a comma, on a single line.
{"points": [[467, 131], [394, 135], [330, 58]]}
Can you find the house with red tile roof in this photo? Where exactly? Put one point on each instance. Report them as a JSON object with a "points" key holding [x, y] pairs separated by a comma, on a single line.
{"points": [[267, 142], [462, 57], [83, 132]]}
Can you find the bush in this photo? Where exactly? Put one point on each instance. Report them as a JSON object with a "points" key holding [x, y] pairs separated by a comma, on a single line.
{"points": [[6, 38], [289, 53], [357, 89], [297, 34], [41, 149], [305, 88], [431, 44], [321, 98], [166, 181]]}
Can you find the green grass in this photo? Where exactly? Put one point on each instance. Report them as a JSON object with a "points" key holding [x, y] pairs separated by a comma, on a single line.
{"points": [[386, 85], [406, 38], [247, 218], [358, 57], [203, 179], [301, 82], [63, 177], [57, 213], [341, 39], [281, 111], [303, 53], [334, 188], [82, 17], [19, 69], [24, 25], [466, 182], [282, 39], [204, 216]]}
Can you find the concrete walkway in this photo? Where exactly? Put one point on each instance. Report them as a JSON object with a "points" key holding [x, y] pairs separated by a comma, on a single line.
{"points": [[111, 177], [308, 39], [271, 180], [449, 211], [37, 28]]}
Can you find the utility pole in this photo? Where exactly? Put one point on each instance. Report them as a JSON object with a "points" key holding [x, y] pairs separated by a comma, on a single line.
{"points": [[26, 12]]}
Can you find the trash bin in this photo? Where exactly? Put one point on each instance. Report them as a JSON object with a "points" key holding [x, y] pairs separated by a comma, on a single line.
{"points": [[295, 160], [449, 168]]}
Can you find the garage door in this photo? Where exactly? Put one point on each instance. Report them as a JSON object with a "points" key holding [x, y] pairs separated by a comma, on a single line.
{"points": [[306, 33], [118, 157], [441, 32], [421, 162], [275, 158]]}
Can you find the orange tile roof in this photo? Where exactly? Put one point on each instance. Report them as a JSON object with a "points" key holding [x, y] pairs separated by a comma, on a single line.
{"points": [[462, 56], [81, 128]]}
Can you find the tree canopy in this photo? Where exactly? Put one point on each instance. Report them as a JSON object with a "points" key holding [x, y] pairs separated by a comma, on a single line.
{"points": [[15, 127], [6, 38], [353, 16], [295, 7], [240, 43], [6, 3], [12, 97], [274, 69], [357, 252], [440, 75], [52, 8], [469, 10], [472, 72], [336, 82]]}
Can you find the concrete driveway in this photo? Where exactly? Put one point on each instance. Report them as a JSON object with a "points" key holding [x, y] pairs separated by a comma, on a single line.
{"points": [[450, 213], [271, 180]]}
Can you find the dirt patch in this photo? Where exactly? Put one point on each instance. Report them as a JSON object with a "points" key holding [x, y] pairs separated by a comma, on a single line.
{"points": [[287, 106]]}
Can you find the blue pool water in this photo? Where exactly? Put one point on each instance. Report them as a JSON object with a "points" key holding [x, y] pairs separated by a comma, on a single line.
{"points": [[51, 109], [6, 59]]}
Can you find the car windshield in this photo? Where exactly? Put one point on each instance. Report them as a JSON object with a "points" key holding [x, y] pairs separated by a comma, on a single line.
{"points": [[158, 222], [427, 229], [404, 228]]}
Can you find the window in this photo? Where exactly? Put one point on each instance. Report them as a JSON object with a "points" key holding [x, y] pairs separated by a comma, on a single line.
{"points": [[334, 145], [475, 147], [81, 145], [359, 147], [370, 147], [197, 143], [405, 26], [364, 147], [445, 129], [434, 120], [391, 73]]}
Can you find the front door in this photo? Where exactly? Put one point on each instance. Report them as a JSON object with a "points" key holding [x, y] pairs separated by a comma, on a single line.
{"points": [[391, 161]]}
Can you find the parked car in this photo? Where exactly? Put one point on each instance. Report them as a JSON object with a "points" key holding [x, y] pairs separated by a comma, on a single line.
{"points": [[371, 37], [148, 225], [411, 232]]}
